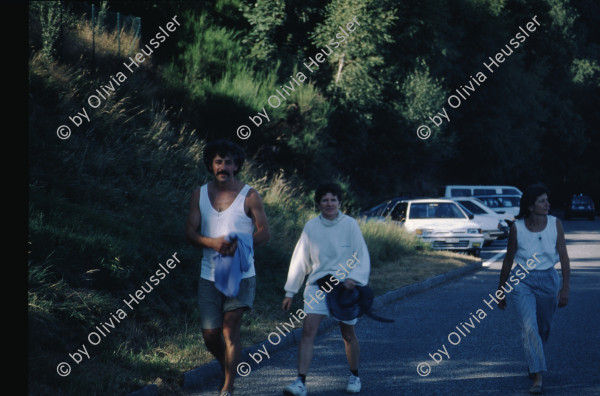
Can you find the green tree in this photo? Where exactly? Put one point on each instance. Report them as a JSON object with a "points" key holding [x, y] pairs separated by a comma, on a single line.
{"points": [[357, 74], [266, 18], [49, 14]]}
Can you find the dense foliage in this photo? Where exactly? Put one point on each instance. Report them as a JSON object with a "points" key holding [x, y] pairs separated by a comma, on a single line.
{"points": [[532, 118]]}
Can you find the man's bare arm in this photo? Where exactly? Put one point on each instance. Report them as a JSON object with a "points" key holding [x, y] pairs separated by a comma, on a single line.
{"points": [[259, 217]]}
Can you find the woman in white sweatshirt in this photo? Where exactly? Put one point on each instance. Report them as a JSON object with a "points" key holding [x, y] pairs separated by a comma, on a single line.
{"points": [[331, 248]]}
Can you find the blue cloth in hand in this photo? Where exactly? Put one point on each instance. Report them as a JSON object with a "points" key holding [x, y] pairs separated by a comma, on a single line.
{"points": [[229, 269]]}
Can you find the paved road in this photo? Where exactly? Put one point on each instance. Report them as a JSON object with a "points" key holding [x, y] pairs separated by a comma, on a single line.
{"points": [[488, 360]]}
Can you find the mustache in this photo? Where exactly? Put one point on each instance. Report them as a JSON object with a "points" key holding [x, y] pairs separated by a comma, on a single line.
{"points": [[223, 173]]}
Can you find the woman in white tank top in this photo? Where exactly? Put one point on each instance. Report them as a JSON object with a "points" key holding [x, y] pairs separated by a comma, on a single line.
{"points": [[536, 243]]}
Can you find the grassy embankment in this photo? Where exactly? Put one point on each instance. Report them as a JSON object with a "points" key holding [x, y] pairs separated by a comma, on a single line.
{"points": [[109, 204]]}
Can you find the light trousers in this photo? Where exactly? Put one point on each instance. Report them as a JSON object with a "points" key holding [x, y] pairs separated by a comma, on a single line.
{"points": [[535, 301]]}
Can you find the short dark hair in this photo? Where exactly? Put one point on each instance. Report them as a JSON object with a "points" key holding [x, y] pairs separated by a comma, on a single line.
{"points": [[223, 148], [325, 188], [529, 197]]}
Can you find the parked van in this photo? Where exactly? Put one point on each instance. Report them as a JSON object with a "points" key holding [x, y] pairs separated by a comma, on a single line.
{"points": [[453, 191]]}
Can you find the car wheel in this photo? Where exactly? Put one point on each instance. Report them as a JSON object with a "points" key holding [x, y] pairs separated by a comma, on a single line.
{"points": [[487, 243], [476, 252], [591, 218]]}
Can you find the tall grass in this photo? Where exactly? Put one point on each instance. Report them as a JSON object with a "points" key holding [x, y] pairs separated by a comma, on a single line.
{"points": [[81, 39], [387, 241]]}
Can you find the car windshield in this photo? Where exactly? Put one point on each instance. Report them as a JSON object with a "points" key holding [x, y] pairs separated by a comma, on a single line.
{"points": [[472, 207], [388, 207], [377, 210], [435, 210], [509, 202], [501, 202]]}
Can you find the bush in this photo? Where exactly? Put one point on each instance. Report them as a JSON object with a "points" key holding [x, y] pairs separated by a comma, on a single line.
{"points": [[387, 241]]}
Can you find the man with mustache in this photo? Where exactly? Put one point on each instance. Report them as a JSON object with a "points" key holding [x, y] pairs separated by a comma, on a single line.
{"points": [[221, 207]]}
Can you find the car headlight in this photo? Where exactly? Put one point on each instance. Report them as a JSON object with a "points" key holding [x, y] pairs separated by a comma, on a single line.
{"points": [[502, 223], [473, 231]]}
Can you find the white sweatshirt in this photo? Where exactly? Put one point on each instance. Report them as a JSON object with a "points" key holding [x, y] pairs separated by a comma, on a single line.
{"points": [[329, 247]]}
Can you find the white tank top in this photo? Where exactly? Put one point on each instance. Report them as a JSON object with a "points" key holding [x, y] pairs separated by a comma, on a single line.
{"points": [[215, 224], [542, 244]]}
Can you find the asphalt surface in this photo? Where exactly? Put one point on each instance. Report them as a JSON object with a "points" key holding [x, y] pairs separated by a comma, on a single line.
{"points": [[486, 358]]}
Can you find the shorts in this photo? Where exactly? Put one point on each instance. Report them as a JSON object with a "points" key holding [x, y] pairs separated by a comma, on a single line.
{"points": [[319, 307], [212, 304]]}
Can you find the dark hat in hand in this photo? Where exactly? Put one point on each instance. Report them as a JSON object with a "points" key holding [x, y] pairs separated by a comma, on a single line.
{"points": [[347, 304]]}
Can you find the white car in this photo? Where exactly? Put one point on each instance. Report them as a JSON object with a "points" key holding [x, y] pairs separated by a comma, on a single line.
{"points": [[508, 205], [492, 224], [440, 222]]}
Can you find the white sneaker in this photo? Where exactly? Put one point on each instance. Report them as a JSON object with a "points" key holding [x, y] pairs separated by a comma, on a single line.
{"points": [[354, 384], [297, 388]]}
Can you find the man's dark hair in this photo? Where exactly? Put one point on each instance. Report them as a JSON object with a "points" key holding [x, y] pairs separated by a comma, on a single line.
{"points": [[223, 148], [529, 197], [325, 188]]}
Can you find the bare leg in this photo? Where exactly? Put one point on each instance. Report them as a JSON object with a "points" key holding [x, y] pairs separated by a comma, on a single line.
{"points": [[232, 321], [537, 380], [309, 332], [351, 344], [215, 345]]}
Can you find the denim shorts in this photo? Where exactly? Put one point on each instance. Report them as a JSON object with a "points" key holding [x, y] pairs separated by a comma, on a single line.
{"points": [[212, 304]]}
